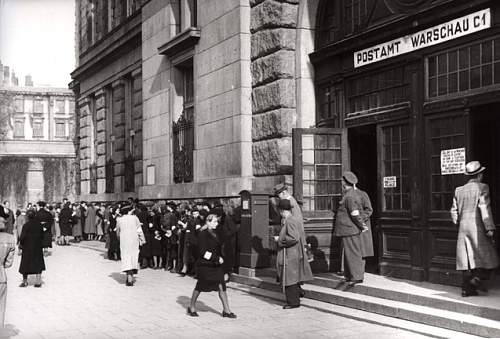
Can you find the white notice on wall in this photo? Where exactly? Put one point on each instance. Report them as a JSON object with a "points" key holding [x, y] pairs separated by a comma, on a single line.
{"points": [[453, 161], [150, 175], [390, 182]]}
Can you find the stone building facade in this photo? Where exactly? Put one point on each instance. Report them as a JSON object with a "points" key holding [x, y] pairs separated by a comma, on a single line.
{"points": [[232, 95], [37, 154]]}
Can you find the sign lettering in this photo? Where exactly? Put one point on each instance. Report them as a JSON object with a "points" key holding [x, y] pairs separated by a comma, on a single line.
{"points": [[432, 36], [453, 161], [390, 182]]}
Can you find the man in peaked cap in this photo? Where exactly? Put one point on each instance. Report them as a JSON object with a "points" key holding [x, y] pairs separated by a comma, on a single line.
{"points": [[351, 222], [471, 212], [281, 191]]}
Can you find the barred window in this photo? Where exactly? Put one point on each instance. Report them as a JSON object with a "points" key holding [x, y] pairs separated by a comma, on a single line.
{"points": [[38, 129], [60, 129], [464, 69]]}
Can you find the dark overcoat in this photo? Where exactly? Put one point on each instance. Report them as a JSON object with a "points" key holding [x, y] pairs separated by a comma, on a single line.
{"points": [[65, 221], [47, 220], [293, 266], [209, 251], [472, 213], [31, 242]]}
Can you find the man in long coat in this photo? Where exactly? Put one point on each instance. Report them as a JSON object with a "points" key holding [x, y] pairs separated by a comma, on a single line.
{"points": [[350, 225], [476, 253], [293, 267], [90, 221]]}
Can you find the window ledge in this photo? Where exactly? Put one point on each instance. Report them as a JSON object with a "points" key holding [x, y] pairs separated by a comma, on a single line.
{"points": [[182, 41]]}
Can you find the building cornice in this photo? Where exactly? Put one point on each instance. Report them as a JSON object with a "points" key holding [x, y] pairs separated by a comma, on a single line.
{"points": [[123, 39]]}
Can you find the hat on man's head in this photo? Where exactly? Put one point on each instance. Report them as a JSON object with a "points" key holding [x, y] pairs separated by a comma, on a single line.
{"points": [[280, 188], [350, 177], [473, 168], [285, 204]]}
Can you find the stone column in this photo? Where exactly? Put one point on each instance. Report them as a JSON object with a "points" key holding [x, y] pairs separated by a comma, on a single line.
{"points": [[34, 180], [273, 28], [85, 140], [100, 103], [118, 88]]}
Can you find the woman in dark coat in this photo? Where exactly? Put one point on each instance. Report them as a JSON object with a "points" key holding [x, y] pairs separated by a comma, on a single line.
{"points": [[31, 242], [209, 270], [114, 242]]}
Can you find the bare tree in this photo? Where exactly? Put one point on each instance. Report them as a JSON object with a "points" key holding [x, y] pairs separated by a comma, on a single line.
{"points": [[6, 111]]}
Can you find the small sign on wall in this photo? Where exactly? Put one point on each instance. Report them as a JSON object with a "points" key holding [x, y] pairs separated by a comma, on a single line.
{"points": [[150, 175], [453, 161], [390, 182]]}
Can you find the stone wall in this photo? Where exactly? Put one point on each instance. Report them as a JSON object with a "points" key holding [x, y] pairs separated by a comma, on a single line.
{"points": [[273, 45]]}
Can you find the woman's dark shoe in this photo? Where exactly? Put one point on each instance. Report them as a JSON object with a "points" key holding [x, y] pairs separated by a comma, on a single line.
{"points": [[287, 307], [129, 283], [191, 313], [24, 284], [354, 282], [182, 274], [228, 315], [469, 293], [38, 285], [478, 284]]}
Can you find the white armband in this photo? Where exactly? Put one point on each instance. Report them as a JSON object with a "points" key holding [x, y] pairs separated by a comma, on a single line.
{"points": [[355, 213], [207, 255]]}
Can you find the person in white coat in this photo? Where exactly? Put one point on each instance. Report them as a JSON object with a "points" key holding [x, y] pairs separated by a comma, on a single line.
{"points": [[128, 229]]}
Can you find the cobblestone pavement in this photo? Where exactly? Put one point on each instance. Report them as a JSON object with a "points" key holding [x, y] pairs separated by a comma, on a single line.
{"points": [[84, 296]]}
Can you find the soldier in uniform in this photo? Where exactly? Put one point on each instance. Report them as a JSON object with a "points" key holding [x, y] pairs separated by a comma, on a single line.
{"points": [[350, 223]]}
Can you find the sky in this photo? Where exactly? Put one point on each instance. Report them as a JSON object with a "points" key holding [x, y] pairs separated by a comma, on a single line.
{"points": [[37, 37]]}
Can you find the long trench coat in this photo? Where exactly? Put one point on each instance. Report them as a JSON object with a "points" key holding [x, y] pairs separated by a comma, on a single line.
{"points": [[472, 213], [293, 266], [90, 220], [128, 229]]}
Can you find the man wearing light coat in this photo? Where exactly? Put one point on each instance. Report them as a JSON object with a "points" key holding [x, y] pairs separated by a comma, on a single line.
{"points": [[476, 253]]}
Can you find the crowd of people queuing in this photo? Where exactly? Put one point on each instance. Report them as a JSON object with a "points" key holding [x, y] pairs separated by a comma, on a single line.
{"points": [[170, 229]]}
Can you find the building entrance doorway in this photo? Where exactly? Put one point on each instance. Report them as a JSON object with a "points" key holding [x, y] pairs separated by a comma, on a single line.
{"points": [[363, 161], [485, 147]]}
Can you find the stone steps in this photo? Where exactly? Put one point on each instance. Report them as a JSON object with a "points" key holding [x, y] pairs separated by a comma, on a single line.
{"points": [[436, 312]]}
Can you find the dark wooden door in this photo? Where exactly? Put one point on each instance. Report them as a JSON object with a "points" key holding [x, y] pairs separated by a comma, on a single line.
{"points": [[442, 132], [395, 225]]}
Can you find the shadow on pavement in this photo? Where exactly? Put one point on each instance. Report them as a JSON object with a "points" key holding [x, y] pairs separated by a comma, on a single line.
{"points": [[8, 331], [200, 306], [118, 277]]}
